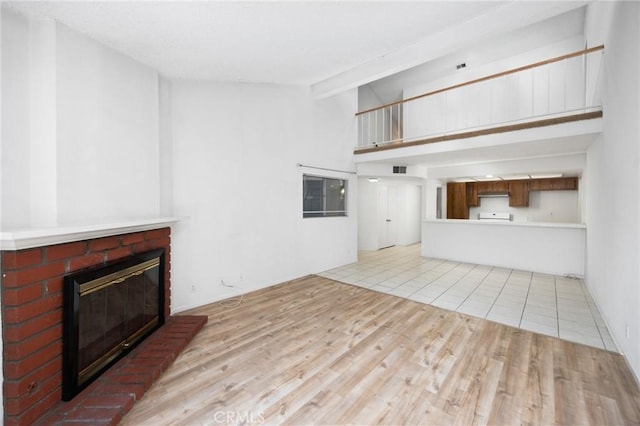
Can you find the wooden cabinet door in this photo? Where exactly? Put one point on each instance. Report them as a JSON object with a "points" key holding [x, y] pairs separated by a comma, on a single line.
{"points": [[540, 185], [462, 195], [565, 183], [457, 207], [472, 194], [498, 186], [570, 183], [492, 186], [519, 193], [483, 187]]}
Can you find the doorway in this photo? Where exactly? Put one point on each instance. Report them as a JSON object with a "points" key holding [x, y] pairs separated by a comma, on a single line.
{"points": [[387, 216], [389, 213]]}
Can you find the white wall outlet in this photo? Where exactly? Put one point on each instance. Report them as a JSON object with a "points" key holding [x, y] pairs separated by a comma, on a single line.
{"points": [[231, 281], [626, 331], [193, 288]]}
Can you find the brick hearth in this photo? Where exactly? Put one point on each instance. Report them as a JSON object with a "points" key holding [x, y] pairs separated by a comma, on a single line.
{"points": [[32, 288], [110, 397]]}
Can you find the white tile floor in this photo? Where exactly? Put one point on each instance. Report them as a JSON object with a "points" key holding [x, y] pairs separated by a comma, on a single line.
{"points": [[548, 304]]}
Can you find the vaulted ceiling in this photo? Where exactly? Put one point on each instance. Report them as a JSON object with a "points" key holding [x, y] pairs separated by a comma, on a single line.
{"points": [[328, 45]]}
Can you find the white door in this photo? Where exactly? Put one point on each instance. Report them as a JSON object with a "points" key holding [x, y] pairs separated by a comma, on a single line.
{"points": [[387, 216]]}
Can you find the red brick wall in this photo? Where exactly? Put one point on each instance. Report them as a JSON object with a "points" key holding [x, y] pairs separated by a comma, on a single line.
{"points": [[32, 314]]}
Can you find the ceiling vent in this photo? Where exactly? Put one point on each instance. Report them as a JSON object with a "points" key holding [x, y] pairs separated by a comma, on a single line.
{"points": [[402, 170]]}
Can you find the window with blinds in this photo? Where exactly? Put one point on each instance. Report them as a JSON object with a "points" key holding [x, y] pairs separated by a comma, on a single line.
{"points": [[323, 196]]}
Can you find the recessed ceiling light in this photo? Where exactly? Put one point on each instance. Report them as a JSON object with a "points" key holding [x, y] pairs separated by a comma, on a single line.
{"points": [[546, 175], [373, 180], [514, 177]]}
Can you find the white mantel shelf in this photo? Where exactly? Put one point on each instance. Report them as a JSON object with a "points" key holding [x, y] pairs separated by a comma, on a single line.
{"points": [[39, 237]]}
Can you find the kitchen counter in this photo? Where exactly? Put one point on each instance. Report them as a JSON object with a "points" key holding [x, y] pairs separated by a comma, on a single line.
{"points": [[511, 223], [546, 247]]}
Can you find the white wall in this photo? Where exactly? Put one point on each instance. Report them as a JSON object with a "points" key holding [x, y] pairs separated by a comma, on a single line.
{"points": [[544, 206], [544, 90], [367, 215], [430, 197], [409, 214], [107, 124], [612, 197], [235, 153], [367, 98], [14, 199], [166, 147], [82, 141]]}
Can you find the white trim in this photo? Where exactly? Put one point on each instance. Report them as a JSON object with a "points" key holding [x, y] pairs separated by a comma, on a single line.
{"points": [[38, 237]]}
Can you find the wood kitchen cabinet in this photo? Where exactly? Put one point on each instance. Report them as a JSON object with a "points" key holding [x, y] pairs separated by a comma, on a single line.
{"points": [[457, 207], [570, 183], [462, 195], [492, 186], [540, 185], [519, 193], [554, 184], [472, 194]]}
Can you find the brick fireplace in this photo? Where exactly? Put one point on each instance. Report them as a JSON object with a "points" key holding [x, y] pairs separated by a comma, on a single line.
{"points": [[32, 300]]}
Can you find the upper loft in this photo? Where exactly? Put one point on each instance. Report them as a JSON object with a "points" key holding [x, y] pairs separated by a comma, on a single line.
{"points": [[548, 92]]}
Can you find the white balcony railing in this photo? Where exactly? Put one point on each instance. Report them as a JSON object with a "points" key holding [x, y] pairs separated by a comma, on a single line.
{"points": [[561, 86]]}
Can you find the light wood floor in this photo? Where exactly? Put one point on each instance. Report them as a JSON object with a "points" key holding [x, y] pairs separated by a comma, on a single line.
{"points": [[316, 351]]}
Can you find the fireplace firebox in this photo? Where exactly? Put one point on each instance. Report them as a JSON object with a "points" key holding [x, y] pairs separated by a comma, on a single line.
{"points": [[107, 311]]}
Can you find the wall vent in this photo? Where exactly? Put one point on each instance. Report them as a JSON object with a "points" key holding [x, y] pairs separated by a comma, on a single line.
{"points": [[400, 170]]}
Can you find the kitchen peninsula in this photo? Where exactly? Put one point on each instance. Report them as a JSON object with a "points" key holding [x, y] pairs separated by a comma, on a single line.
{"points": [[513, 234], [552, 248]]}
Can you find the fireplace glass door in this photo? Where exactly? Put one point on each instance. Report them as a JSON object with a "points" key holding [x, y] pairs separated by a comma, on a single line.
{"points": [[107, 312]]}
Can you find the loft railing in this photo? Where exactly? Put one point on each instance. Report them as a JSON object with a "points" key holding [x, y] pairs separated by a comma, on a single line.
{"points": [[561, 86]]}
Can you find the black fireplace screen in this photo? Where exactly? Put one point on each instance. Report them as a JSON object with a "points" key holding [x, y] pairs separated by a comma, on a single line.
{"points": [[107, 311]]}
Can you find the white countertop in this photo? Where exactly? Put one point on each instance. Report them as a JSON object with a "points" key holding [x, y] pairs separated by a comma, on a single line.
{"points": [[508, 223], [37, 237]]}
